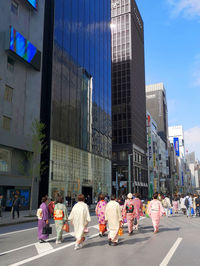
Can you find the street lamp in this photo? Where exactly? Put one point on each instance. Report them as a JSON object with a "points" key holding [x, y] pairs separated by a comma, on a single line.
{"points": [[129, 172], [116, 180]]}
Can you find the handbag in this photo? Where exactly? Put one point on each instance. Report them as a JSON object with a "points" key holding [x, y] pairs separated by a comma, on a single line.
{"points": [[86, 230], [47, 230], [66, 227], [192, 211], [120, 232]]}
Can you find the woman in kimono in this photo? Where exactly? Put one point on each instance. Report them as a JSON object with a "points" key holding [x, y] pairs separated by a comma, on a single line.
{"points": [[80, 217], [43, 219], [138, 206], [155, 210], [175, 205], [129, 212], [100, 213]]}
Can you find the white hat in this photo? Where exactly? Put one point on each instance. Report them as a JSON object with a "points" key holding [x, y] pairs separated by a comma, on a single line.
{"points": [[130, 196]]}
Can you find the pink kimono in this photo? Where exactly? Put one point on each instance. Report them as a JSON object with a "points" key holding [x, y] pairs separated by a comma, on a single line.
{"points": [[175, 206], [100, 213], [137, 208], [129, 216], [155, 210]]}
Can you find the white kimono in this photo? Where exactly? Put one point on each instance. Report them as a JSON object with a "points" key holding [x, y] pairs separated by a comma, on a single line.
{"points": [[114, 216], [79, 217]]}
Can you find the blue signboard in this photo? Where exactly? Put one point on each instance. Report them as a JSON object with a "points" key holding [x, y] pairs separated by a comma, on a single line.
{"points": [[33, 3], [176, 146], [24, 49]]}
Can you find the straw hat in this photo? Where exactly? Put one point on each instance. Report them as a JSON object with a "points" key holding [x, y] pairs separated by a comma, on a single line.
{"points": [[130, 196]]}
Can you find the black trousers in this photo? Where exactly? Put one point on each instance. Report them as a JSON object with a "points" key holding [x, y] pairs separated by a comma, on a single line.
{"points": [[15, 209]]}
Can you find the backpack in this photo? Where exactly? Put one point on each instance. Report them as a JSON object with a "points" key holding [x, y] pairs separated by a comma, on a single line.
{"points": [[129, 208], [186, 202], [39, 214], [165, 203]]}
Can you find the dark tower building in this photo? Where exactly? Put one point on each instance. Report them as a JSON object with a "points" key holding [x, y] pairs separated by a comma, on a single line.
{"points": [[128, 99], [76, 97]]}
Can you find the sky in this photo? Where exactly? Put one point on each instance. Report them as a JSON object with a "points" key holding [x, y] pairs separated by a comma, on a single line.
{"points": [[172, 56]]}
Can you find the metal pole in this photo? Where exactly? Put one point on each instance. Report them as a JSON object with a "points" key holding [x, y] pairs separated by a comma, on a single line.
{"points": [[116, 184], [129, 173]]}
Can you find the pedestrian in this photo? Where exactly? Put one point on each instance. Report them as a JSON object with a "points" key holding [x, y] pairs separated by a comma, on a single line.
{"points": [[43, 219], [175, 205], [182, 203], [80, 217], [89, 201], [60, 217], [194, 204], [1, 204], [155, 211], [197, 205], [51, 207], [100, 213], [128, 212], [188, 205], [114, 217], [15, 206], [138, 207], [166, 205]]}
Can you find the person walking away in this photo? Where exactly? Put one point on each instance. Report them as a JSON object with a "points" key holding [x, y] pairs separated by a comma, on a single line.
{"points": [[175, 205], [15, 206], [155, 210], [60, 217], [182, 203], [128, 212], [80, 218], [138, 206], [166, 205], [51, 207], [100, 213], [43, 219], [197, 201], [114, 218], [1, 204], [194, 204], [188, 204]]}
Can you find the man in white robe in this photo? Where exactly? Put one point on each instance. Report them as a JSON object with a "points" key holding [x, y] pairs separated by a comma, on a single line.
{"points": [[113, 216], [80, 217]]}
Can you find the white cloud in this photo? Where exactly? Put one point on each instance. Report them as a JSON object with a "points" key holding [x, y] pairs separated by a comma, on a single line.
{"points": [[187, 8], [192, 140]]}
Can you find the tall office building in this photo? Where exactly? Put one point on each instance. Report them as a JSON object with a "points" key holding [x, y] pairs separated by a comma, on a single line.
{"points": [[76, 97], [156, 104], [21, 40], [128, 99]]}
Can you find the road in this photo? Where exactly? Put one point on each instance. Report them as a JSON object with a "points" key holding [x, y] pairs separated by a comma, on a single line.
{"points": [[176, 244]]}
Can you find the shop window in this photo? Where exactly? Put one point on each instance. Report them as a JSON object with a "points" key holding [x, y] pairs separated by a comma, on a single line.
{"points": [[4, 160]]}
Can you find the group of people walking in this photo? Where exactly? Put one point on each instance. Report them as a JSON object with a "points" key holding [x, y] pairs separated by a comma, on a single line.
{"points": [[113, 214]]}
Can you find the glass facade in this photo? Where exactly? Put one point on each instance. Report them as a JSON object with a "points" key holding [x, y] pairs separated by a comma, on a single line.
{"points": [[81, 94]]}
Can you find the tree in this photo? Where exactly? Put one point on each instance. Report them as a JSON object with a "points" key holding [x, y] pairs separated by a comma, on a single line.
{"points": [[37, 146]]}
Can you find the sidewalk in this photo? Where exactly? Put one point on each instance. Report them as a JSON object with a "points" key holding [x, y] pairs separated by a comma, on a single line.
{"points": [[6, 218], [24, 217]]}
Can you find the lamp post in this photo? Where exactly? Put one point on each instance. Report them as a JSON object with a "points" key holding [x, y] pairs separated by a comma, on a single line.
{"points": [[129, 173], [116, 180]]}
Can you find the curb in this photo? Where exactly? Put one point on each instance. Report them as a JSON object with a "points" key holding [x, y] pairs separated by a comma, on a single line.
{"points": [[19, 222]]}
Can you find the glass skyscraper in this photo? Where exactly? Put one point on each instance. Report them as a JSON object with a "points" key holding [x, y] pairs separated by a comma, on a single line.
{"points": [[76, 97]]}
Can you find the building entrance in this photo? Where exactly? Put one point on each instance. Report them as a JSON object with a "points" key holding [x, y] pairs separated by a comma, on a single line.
{"points": [[87, 192]]}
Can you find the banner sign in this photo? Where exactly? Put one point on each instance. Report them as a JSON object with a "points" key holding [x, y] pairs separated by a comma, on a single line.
{"points": [[176, 146]]}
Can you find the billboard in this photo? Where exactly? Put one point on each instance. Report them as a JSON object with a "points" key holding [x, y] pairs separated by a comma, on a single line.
{"points": [[33, 3], [24, 49], [176, 146]]}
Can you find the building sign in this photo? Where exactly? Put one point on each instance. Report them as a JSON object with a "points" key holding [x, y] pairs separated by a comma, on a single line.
{"points": [[24, 49], [176, 146], [33, 3]]}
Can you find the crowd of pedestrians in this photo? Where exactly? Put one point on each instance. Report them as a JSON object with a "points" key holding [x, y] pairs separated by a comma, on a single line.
{"points": [[111, 214]]}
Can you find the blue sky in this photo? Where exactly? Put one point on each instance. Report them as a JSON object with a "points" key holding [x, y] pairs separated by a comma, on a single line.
{"points": [[172, 56]]}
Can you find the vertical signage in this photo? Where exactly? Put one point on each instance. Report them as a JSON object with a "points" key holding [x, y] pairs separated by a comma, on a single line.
{"points": [[176, 146]]}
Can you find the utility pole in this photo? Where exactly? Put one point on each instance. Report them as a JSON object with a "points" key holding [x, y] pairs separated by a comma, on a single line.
{"points": [[129, 173]]}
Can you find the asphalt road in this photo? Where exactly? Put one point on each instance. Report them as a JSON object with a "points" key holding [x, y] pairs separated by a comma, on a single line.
{"points": [[177, 244]]}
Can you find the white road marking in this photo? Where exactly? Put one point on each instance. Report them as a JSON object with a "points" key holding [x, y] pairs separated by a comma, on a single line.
{"points": [[26, 246], [48, 252], [43, 247], [171, 252], [15, 232]]}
